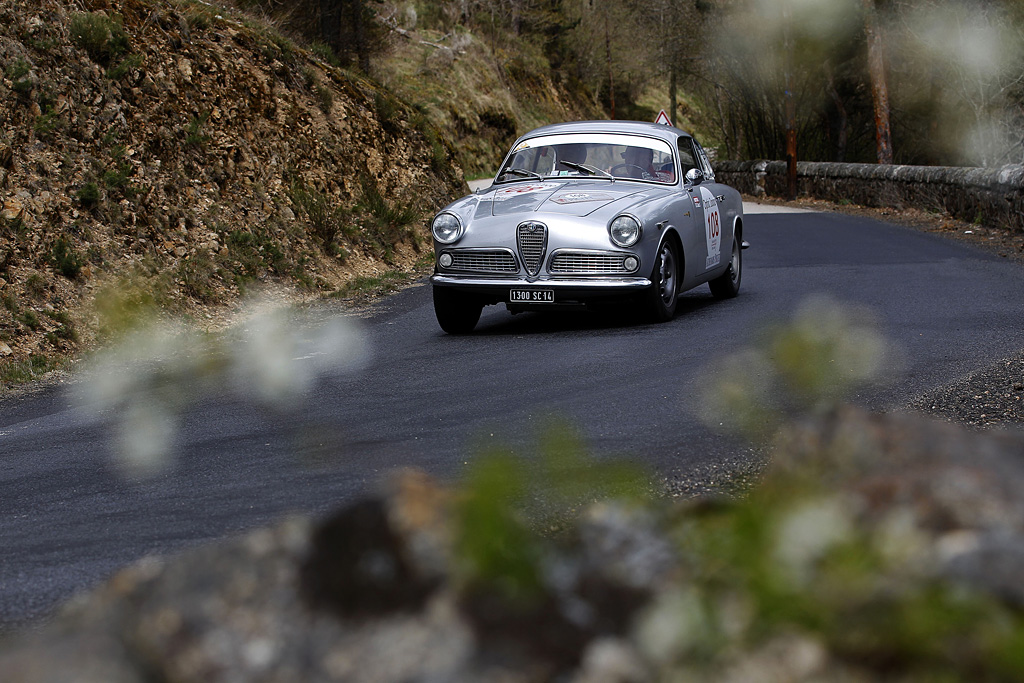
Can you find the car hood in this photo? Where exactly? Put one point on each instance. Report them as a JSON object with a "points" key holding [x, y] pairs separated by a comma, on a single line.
{"points": [[574, 198]]}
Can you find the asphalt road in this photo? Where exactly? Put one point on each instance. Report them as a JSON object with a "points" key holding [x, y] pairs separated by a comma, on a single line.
{"points": [[67, 519]]}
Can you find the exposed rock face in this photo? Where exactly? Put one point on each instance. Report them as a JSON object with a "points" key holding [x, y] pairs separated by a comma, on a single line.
{"points": [[920, 523], [176, 141]]}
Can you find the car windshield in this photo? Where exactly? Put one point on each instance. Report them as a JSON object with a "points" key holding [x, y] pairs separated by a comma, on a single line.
{"points": [[602, 155]]}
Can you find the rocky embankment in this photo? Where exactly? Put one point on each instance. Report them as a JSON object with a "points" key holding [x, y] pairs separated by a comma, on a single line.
{"points": [[196, 151]]}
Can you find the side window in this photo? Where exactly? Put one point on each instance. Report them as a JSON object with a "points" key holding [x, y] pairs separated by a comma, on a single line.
{"points": [[709, 172], [687, 159]]}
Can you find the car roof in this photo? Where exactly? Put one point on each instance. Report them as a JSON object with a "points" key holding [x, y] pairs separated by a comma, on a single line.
{"points": [[667, 133]]}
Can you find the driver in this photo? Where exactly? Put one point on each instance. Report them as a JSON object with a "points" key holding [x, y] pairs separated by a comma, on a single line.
{"points": [[639, 162]]}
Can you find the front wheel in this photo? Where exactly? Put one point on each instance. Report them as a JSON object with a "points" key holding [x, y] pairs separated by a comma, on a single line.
{"points": [[456, 313], [664, 293], [727, 285]]}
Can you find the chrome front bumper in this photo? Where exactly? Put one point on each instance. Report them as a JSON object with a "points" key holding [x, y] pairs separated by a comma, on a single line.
{"points": [[606, 283]]}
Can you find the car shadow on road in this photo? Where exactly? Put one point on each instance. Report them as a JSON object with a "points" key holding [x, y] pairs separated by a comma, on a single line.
{"points": [[496, 321]]}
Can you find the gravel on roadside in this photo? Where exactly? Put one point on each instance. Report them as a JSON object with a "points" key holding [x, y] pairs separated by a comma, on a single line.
{"points": [[990, 397]]}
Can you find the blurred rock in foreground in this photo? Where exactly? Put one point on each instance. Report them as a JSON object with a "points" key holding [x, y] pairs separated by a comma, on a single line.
{"points": [[878, 547]]}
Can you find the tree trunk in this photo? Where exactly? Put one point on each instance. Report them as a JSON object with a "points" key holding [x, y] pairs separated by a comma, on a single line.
{"points": [[362, 51], [672, 95], [608, 59], [791, 180], [879, 88], [842, 136], [330, 23]]}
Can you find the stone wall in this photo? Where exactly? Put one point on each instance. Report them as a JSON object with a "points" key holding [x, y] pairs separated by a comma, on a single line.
{"points": [[995, 196]]}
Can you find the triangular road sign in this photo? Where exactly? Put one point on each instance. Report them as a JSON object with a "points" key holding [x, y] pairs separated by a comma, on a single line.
{"points": [[663, 118]]}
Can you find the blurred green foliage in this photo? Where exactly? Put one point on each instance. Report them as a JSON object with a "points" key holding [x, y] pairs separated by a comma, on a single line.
{"points": [[511, 508], [125, 305], [796, 559], [806, 364]]}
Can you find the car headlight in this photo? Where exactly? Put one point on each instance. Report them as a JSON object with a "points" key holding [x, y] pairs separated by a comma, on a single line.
{"points": [[624, 231], [446, 228]]}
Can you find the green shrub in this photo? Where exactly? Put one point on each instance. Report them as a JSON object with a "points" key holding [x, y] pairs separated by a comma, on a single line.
{"points": [[505, 501], [124, 67], [89, 195], [17, 69], [102, 37], [66, 259], [438, 151], [309, 77], [65, 328], [194, 136], [126, 305], [253, 252], [13, 227], [23, 88], [275, 46], [117, 178], [389, 216], [48, 122], [200, 17], [389, 112], [18, 72], [16, 372], [368, 287], [28, 318], [196, 276], [325, 52], [324, 219], [36, 284], [325, 98]]}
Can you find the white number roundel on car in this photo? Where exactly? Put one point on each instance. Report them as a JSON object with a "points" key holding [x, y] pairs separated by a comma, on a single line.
{"points": [[517, 190], [712, 228]]}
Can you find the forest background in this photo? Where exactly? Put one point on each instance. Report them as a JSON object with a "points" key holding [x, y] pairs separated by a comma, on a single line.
{"points": [[929, 82]]}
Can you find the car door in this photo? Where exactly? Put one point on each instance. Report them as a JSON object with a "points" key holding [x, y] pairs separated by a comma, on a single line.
{"points": [[702, 243], [713, 196]]}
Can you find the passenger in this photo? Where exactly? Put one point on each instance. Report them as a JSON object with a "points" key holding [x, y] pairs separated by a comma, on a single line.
{"points": [[574, 153]]}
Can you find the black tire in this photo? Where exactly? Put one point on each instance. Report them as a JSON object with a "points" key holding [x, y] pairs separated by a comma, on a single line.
{"points": [[727, 285], [456, 313], [663, 295]]}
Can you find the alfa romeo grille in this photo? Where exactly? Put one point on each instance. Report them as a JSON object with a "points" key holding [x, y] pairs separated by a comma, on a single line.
{"points": [[532, 238], [497, 261], [582, 262]]}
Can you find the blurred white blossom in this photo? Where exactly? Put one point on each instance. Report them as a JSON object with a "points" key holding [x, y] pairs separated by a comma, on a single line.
{"points": [[675, 623], [811, 362], [808, 531], [156, 372]]}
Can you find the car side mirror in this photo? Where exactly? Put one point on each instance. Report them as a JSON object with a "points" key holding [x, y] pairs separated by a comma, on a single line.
{"points": [[695, 176]]}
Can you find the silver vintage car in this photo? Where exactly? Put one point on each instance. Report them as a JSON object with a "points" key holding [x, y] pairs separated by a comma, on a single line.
{"points": [[586, 213]]}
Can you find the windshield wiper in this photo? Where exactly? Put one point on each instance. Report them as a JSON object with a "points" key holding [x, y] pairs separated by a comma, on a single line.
{"points": [[589, 170], [523, 173]]}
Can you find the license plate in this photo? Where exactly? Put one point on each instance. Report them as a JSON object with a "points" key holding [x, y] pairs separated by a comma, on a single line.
{"points": [[533, 296]]}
